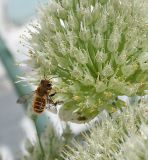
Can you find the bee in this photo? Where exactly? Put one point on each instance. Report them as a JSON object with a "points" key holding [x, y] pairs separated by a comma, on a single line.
{"points": [[42, 96]]}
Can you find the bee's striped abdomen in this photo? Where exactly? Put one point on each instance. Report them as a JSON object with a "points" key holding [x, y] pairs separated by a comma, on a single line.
{"points": [[39, 104]]}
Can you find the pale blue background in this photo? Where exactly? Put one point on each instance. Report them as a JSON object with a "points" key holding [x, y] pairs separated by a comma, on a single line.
{"points": [[20, 10]]}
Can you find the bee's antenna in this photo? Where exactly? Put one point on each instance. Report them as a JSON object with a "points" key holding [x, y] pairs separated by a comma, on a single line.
{"points": [[53, 77], [44, 75]]}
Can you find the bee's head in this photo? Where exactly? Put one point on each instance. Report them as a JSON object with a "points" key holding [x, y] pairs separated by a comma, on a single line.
{"points": [[46, 84]]}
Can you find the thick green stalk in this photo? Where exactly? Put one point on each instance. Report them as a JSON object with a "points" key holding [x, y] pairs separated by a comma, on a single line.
{"points": [[13, 71]]}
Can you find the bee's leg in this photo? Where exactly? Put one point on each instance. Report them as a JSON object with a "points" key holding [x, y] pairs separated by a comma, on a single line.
{"points": [[48, 106], [50, 101], [58, 102], [51, 95], [51, 106]]}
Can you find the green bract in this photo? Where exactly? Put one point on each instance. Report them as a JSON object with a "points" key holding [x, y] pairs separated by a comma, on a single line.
{"points": [[97, 48]]}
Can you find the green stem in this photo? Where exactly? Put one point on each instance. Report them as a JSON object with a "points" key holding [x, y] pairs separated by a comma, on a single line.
{"points": [[12, 70], [39, 140]]}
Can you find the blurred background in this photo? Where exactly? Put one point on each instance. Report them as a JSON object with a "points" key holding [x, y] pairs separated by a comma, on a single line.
{"points": [[14, 125]]}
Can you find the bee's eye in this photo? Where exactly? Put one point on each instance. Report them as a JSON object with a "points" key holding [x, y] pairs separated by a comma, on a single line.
{"points": [[49, 85]]}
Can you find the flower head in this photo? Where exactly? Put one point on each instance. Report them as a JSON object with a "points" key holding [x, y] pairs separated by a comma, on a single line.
{"points": [[98, 50]]}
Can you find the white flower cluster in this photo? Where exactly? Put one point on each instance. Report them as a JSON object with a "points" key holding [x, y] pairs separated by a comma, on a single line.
{"points": [[122, 136], [97, 48]]}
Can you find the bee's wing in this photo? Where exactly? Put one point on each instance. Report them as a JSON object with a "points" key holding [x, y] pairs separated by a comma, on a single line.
{"points": [[25, 98]]}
